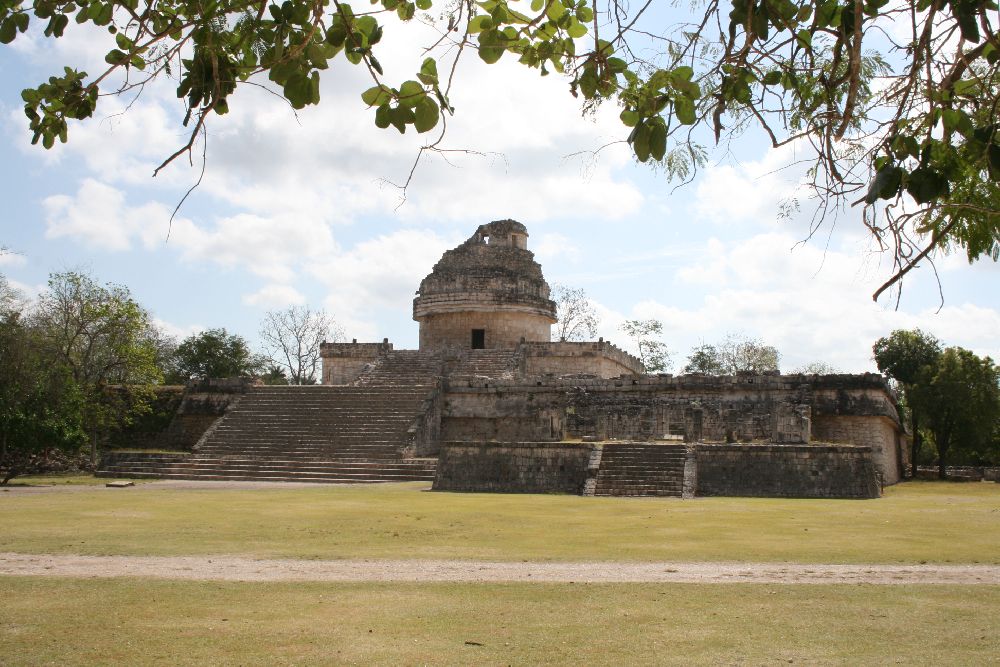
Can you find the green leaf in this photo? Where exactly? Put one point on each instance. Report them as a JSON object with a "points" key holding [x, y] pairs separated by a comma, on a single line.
{"points": [[772, 78], [480, 23], [400, 117], [576, 30], [426, 115], [104, 14], [825, 13], [994, 157], [585, 14], [629, 118], [337, 34], [684, 110], [925, 185], [682, 73], [658, 140], [966, 87], [8, 31], [428, 72], [956, 121], [410, 94], [424, 5], [804, 38], [885, 185], [376, 96], [382, 116], [406, 11], [967, 20], [640, 141], [115, 57], [490, 54], [555, 10]]}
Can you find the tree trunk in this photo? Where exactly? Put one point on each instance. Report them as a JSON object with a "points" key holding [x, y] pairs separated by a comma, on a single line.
{"points": [[942, 451], [914, 445], [93, 448]]}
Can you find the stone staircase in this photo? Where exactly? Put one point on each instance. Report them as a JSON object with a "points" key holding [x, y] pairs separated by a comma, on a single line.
{"points": [[307, 434], [641, 469], [486, 363], [403, 368]]}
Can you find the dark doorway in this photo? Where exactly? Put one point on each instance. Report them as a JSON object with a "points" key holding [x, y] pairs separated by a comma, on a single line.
{"points": [[478, 339]]}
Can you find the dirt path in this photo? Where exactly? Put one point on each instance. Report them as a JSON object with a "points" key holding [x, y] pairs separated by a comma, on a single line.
{"points": [[230, 568]]}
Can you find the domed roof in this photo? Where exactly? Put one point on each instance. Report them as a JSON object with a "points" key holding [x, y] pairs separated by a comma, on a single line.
{"points": [[492, 270]]}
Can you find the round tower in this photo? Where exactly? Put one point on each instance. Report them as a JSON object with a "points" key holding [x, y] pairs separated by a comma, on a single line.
{"points": [[487, 293]]}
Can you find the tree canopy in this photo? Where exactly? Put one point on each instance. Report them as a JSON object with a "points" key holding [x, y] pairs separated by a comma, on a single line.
{"points": [[734, 354], [214, 353], [58, 357], [908, 359], [960, 399], [653, 353], [894, 104]]}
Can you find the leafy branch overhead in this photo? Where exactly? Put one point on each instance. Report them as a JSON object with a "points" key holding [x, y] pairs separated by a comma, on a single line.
{"points": [[895, 104]]}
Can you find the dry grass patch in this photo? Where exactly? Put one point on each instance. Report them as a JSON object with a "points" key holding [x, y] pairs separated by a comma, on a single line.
{"points": [[134, 622], [915, 522]]}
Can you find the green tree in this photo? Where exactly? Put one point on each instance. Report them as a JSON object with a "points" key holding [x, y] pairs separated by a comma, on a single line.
{"points": [[908, 358], [274, 375], [704, 359], [918, 128], [576, 316], [734, 354], [41, 411], [102, 337], [653, 353], [961, 400], [214, 353]]}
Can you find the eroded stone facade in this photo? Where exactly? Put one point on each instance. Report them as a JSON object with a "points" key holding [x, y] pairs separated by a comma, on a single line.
{"points": [[487, 293], [485, 317]]}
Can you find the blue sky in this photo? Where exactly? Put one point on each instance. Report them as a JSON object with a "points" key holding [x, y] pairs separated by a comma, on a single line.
{"points": [[300, 209]]}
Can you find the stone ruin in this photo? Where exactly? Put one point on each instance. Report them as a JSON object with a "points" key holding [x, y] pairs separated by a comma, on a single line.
{"points": [[489, 403]]}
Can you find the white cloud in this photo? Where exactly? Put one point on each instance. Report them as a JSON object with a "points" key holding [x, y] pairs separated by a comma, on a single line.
{"points": [[176, 332], [378, 275], [98, 216], [552, 245], [813, 305], [275, 296], [11, 259]]}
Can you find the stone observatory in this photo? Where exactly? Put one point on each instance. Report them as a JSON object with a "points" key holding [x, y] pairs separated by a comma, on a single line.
{"points": [[490, 403], [486, 294]]}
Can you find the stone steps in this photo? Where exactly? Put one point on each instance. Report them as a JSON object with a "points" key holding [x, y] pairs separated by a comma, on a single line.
{"points": [[488, 363], [319, 433], [402, 368], [641, 470]]}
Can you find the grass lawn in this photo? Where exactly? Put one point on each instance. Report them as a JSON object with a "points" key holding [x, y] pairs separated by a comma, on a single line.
{"points": [[914, 522], [135, 622]]}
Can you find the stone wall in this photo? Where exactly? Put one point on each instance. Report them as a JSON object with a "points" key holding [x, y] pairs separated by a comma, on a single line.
{"points": [[761, 470], [524, 467], [343, 362], [200, 404], [424, 436], [504, 329], [601, 359], [753, 408], [794, 471], [879, 433]]}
